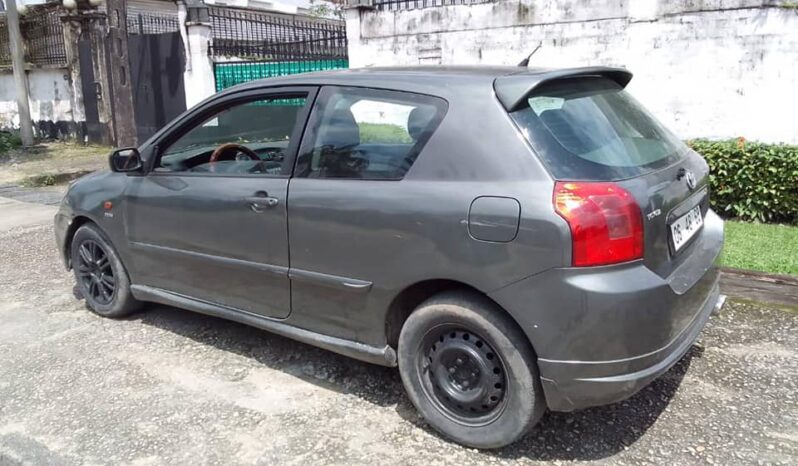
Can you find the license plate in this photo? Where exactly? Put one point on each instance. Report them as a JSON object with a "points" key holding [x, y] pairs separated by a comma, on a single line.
{"points": [[686, 226]]}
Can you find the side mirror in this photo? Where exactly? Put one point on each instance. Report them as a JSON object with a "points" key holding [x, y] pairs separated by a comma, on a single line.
{"points": [[125, 160]]}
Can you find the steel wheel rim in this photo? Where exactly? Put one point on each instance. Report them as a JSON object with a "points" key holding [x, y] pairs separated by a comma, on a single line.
{"points": [[95, 273], [462, 375]]}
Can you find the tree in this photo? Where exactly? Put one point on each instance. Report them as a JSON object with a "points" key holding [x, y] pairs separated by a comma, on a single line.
{"points": [[327, 8]]}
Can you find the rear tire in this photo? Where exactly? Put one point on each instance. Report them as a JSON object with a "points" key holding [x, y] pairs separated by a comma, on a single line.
{"points": [[470, 371], [100, 276]]}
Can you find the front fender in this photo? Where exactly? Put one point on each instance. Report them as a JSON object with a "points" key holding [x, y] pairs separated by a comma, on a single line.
{"points": [[86, 201]]}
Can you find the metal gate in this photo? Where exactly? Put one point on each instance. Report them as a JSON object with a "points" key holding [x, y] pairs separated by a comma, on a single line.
{"points": [[248, 44], [156, 75], [95, 131]]}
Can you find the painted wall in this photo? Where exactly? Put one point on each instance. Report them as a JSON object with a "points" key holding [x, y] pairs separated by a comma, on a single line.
{"points": [[51, 98], [706, 68]]}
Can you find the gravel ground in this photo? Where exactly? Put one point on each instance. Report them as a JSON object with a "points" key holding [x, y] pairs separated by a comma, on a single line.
{"points": [[50, 195], [168, 386]]}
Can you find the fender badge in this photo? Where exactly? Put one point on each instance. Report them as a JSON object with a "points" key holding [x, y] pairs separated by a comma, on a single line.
{"points": [[108, 205]]}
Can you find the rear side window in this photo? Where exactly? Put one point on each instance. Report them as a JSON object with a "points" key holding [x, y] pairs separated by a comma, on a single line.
{"points": [[591, 129], [359, 133]]}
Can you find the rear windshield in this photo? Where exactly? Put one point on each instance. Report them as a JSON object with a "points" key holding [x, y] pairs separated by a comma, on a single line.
{"points": [[591, 129]]}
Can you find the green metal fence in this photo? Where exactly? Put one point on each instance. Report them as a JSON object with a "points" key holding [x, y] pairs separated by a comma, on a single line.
{"points": [[230, 74]]}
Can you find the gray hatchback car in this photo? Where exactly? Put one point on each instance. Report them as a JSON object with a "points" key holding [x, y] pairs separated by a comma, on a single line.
{"points": [[512, 239]]}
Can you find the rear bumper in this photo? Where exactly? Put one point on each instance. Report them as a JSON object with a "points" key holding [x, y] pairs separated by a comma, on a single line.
{"points": [[573, 385], [603, 333]]}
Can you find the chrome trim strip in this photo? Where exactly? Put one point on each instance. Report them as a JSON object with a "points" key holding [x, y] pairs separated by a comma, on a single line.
{"points": [[276, 269], [318, 278], [332, 281]]}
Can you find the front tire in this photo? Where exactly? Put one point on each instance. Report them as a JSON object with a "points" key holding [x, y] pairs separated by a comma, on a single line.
{"points": [[100, 275], [470, 371]]}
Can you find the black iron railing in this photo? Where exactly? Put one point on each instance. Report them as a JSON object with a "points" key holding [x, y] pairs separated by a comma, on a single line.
{"points": [[254, 35], [392, 5], [151, 23]]}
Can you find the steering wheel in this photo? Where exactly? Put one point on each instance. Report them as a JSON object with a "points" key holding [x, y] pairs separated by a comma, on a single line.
{"points": [[217, 153]]}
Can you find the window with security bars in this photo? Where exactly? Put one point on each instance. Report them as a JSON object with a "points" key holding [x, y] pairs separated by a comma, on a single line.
{"points": [[42, 36], [151, 23], [5, 52], [392, 5]]}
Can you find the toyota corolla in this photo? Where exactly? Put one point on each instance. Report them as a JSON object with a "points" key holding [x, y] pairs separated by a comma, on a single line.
{"points": [[513, 239]]}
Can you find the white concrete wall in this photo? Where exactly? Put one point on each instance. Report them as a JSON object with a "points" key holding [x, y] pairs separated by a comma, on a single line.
{"points": [[706, 68], [50, 98], [198, 78]]}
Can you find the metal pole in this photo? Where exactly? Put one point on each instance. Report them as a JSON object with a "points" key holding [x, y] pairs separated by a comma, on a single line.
{"points": [[20, 78], [124, 118]]}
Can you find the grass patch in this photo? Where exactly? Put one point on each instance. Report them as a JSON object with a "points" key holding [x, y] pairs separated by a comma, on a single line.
{"points": [[761, 247], [52, 179], [51, 163]]}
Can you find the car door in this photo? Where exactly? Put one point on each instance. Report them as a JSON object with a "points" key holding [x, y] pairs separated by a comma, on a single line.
{"points": [[349, 219], [208, 220]]}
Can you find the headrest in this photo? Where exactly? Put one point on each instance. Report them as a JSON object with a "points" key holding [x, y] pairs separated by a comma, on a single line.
{"points": [[418, 120], [341, 130]]}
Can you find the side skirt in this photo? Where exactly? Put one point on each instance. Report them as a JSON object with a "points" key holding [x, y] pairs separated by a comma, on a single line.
{"points": [[385, 356]]}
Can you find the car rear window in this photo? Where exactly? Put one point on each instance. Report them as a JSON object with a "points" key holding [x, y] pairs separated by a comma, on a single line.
{"points": [[591, 129]]}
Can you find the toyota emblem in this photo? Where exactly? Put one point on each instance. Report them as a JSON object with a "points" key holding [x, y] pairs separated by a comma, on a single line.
{"points": [[690, 178]]}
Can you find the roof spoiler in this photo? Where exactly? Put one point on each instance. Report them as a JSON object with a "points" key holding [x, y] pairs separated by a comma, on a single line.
{"points": [[513, 89]]}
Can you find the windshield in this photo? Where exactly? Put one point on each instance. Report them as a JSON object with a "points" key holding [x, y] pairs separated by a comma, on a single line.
{"points": [[591, 129]]}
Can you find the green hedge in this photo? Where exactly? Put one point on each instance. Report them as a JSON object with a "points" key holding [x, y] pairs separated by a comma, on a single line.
{"points": [[752, 181], [383, 133]]}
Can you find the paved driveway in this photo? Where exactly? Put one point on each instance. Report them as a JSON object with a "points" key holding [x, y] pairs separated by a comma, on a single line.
{"points": [[167, 386]]}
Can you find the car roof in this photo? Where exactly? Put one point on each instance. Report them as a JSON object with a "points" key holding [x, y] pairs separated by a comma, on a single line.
{"points": [[511, 83], [381, 76]]}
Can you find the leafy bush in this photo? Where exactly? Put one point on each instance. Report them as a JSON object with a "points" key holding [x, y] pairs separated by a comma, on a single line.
{"points": [[752, 181], [9, 141]]}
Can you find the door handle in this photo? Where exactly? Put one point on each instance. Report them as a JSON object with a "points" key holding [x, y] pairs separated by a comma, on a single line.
{"points": [[260, 201]]}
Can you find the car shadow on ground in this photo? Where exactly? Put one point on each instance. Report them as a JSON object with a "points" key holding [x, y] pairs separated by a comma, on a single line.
{"points": [[588, 434]]}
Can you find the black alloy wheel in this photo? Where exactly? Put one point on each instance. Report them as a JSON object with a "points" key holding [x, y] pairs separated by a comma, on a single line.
{"points": [[95, 273]]}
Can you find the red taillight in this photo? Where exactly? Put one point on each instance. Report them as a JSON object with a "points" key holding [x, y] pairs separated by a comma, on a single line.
{"points": [[606, 223]]}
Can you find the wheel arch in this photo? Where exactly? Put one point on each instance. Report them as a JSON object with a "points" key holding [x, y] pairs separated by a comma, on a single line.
{"points": [[407, 300], [77, 222]]}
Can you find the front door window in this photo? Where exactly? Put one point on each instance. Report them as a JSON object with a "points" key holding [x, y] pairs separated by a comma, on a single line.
{"points": [[247, 138]]}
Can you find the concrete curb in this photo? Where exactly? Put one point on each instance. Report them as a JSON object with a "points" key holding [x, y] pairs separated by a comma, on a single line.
{"points": [[781, 290], [763, 276]]}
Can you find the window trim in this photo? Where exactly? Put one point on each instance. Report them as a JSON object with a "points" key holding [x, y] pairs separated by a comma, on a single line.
{"points": [[323, 96], [201, 113]]}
